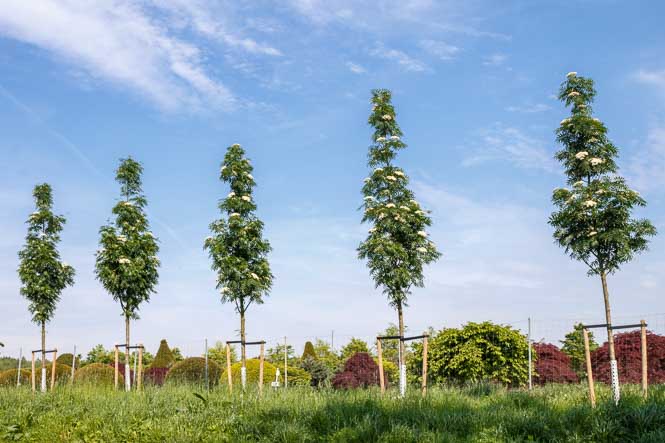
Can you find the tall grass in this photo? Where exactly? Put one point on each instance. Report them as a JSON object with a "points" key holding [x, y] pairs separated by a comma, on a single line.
{"points": [[186, 414]]}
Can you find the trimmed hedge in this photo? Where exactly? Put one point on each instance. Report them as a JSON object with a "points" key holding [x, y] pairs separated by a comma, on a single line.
{"points": [[8, 377], [66, 359], [308, 351], [192, 370], [164, 357], [252, 364], [98, 374]]}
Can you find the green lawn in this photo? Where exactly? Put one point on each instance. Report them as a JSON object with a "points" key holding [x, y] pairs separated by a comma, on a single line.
{"points": [[481, 414]]}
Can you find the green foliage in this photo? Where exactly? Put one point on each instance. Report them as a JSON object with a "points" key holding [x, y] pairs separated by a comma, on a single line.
{"points": [[192, 370], [354, 346], [126, 264], [164, 357], [97, 374], [43, 276], [297, 376], [12, 363], [276, 355], [397, 246], [390, 348], [390, 370], [593, 221], [236, 247], [66, 359], [218, 354], [252, 365], [476, 352], [177, 354], [309, 351], [573, 346], [8, 377], [326, 355], [319, 372], [100, 355]]}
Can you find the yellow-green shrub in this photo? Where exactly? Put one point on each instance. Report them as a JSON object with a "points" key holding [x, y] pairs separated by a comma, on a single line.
{"points": [[252, 365], [297, 377], [192, 370], [98, 374], [8, 377]]}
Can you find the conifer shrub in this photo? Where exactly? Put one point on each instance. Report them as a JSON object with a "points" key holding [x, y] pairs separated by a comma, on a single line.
{"points": [[96, 374], [552, 365], [629, 358], [66, 359], [252, 365], [9, 376], [164, 357], [155, 376], [318, 372], [309, 351], [360, 370], [192, 371]]}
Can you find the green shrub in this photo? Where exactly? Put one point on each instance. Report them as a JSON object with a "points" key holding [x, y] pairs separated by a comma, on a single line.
{"points": [[308, 351], [164, 357], [97, 374], [66, 359], [390, 370], [269, 371], [62, 373], [192, 370], [297, 377], [8, 377]]}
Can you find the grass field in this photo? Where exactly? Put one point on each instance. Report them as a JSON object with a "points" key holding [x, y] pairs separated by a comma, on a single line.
{"points": [[185, 414]]}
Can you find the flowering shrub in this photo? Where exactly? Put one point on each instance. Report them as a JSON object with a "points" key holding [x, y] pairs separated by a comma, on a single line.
{"points": [[359, 371], [629, 358], [552, 365]]}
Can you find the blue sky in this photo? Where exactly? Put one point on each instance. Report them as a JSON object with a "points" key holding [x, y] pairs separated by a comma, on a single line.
{"points": [[174, 82]]}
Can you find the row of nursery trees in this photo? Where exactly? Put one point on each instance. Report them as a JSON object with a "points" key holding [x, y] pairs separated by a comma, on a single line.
{"points": [[592, 222]]}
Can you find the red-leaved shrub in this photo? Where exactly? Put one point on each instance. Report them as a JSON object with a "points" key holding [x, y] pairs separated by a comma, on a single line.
{"points": [[552, 365], [155, 376], [629, 358], [360, 371]]}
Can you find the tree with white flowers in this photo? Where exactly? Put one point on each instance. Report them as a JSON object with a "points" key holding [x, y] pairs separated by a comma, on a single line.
{"points": [[126, 263], [593, 220], [43, 275], [398, 245], [238, 251]]}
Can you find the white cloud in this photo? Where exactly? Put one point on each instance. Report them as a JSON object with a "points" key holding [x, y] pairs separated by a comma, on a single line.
{"points": [[405, 61], [495, 60], [355, 68], [118, 41], [440, 49], [647, 168], [654, 78], [529, 109], [500, 143]]}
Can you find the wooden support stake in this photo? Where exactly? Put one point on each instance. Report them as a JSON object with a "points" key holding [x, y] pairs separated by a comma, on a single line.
{"points": [[140, 371], [228, 367], [589, 371], [261, 370], [33, 371], [643, 346], [55, 355], [379, 353], [115, 376], [424, 386]]}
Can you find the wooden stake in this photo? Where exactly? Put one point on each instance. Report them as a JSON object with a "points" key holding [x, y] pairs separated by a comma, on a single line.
{"points": [[261, 369], [228, 367], [115, 376], [589, 372], [33, 371], [643, 345], [71, 380], [55, 355], [424, 387], [139, 376], [379, 353]]}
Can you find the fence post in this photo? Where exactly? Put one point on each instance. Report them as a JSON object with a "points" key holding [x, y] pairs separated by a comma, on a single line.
{"points": [[379, 353], [424, 385], [18, 375], [228, 367], [206, 369], [71, 380], [589, 371], [139, 375], [261, 369], [286, 364], [528, 342], [33, 372], [55, 355], [115, 359], [643, 346]]}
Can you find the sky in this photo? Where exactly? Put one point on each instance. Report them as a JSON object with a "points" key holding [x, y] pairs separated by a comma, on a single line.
{"points": [[173, 83]]}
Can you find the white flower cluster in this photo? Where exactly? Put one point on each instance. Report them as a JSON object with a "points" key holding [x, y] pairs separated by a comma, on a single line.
{"points": [[254, 276], [390, 205], [246, 198], [234, 214], [394, 137], [405, 208], [225, 290], [372, 230], [592, 233], [366, 179], [378, 170], [399, 173], [369, 198], [565, 121], [387, 117], [597, 161], [149, 234], [124, 261], [421, 249], [590, 203], [250, 176], [231, 194], [571, 74], [581, 155], [422, 234], [578, 183], [121, 238], [381, 139], [391, 178], [573, 94]]}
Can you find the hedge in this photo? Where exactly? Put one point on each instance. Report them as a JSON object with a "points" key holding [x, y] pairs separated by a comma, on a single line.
{"points": [[164, 357], [8, 377], [66, 359], [269, 371], [98, 374], [192, 370]]}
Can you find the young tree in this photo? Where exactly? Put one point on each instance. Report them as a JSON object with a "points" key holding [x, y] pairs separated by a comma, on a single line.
{"points": [[397, 246], [593, 221], [43, 276], [573, 347], [126, 263], [354, 346], [237, 249]]}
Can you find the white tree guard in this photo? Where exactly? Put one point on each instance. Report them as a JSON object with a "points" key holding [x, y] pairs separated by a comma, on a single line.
{"points": [[614, 370], [128, 377], [243, 376], [43, 386], [402, 380]]}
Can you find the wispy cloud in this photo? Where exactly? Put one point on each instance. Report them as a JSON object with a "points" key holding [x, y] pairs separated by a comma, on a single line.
{"points": [[355, 68], [508, 144], [120, 42], [440, 49], [495, 60], [402, 59], [647, 168], [655, 78], [529, 108]]}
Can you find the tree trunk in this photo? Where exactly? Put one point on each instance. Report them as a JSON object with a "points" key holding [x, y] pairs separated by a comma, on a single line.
{"points": [[43, 381], [243, 355], [128, 381], [614, 372], [401, 359]]}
